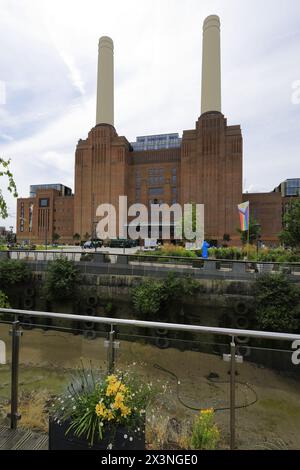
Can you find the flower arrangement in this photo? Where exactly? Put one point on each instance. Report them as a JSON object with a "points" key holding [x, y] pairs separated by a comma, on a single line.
{"points": [[97, 404], [205, 434]]}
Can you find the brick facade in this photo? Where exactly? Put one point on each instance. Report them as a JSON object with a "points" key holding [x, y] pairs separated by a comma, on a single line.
{"points": [[207, 169], [42, 216]]}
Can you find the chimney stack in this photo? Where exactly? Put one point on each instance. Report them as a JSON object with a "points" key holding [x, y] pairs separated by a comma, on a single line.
{"points": [[105, 82], [211, 65]]}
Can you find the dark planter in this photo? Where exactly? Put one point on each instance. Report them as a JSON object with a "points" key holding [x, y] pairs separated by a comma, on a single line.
{"points": [[58, 440]]}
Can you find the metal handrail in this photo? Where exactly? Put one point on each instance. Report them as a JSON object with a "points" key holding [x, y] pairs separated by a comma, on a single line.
{"points": [[231, 332], [149, 256]]}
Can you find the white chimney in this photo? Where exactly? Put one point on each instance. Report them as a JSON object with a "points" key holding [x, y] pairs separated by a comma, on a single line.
{"points": [[211, 65], [105, 82]]}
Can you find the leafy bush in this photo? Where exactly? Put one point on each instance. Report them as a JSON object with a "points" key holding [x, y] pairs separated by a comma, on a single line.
{"points": [[277, 302], [151, 297], [3, 300], [171, 250], [148, 297], [62, 280], [13, 272], [225, 253], [279, 255], [205, 434]]}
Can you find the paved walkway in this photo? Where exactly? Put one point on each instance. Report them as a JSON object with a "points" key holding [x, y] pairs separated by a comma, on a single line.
{"points": [[21, 439]]}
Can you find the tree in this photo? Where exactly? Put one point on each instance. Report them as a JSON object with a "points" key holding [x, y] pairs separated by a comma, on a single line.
{"points": [[180, 228], [56, 237], [277, 303], [13, 272], [290, 234], [76, 237], [62, 280], [254, 232], [5, 171]]}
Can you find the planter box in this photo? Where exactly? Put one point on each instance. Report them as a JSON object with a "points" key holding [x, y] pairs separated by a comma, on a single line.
{"points": [[58, 440]]}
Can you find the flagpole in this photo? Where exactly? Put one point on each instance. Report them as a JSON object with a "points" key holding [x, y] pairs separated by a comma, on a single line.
{"points": [[248, 239]]}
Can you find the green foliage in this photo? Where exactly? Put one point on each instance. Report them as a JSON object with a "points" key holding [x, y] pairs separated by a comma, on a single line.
{"points": [[225, 253], [148, 297], [152, 297], [5, 171], [171, 250], [56, 237], [205, 434], [277, 301], [254, 232], [96, 403], [4, 300], [183, 224], [290, 235], [109, 308], [76, 237], [62, 280], [279, 255], [13, 272]]}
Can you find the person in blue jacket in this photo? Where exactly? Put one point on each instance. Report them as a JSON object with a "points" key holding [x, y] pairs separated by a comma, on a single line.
{"points": [[204, 249]]}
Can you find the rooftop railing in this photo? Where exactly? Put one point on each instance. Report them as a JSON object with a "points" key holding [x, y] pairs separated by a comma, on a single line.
{"points": [[234, 371]]}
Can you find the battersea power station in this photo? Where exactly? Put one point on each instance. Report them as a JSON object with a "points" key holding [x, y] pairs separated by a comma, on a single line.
{"points": [[204, 165]]}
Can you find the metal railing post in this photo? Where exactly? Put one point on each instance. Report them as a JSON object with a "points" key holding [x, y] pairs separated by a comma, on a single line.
{"points": [[111, 351], [232, 393], [15, 333]]}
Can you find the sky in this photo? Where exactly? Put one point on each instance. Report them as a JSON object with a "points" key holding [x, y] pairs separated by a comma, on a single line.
{"points": [[48, 71]]}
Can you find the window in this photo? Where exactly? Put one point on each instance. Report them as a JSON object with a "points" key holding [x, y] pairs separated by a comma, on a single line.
{"points": [[155, 176], [44, 202], [137, 195], [30, 217], [156, 191], [22, 218]]}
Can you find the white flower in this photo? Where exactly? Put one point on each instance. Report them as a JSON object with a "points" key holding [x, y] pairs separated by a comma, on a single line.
{"points": [[63, 408], [109, 446], [125, 436], [74, 407], [101, 424], [178, 382], [131, 439], [138, 429], [72, 398]]}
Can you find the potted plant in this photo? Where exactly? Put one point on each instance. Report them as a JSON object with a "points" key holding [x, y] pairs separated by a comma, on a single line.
{"points": [[100, 411]]}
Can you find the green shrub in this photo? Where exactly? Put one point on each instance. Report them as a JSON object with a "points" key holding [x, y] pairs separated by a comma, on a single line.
{"points": [[62, 280], [152, 297], [13, 272], [277, 301], [3, 300], [148, 297], [231, 253], [171, 250], [205, 434]]}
